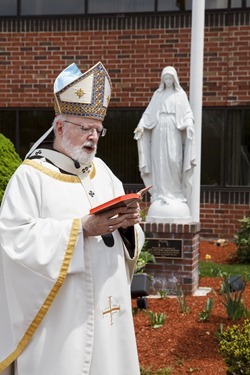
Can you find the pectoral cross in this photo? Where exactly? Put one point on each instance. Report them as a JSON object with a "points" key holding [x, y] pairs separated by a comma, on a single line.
{"points": [[111, 310]]}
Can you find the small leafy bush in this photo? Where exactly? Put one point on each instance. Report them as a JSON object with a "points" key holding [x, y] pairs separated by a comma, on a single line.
{"points": [[144, 258], [163, 293], [205, 314], [9, 161], [234, 345], [156, 320], [242, 241]]}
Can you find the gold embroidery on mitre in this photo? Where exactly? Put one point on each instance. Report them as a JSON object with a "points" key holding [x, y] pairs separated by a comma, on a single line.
{"points": [[80, 93]]}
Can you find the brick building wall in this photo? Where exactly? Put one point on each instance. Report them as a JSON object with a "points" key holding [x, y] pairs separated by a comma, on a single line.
{"points": [[134, 49], [220, 213]]}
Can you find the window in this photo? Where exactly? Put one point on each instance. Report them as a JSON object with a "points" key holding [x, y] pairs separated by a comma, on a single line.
{"points": [[24, 127], [236, 3], [211, 147], [121, 6], [80, 7], [225, 159], [216, 4], [8, 125], [8, 7], [119, 149], [237, 149], [48, 7], [173, 5]]}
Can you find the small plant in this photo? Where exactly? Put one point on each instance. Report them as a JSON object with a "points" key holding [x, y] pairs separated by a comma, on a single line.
{"points": [[182, 299], [160, 371], [163, 293], [234, 346], [242, 241], [205, 314], [232, 300], [219, 332], [144, 258], [156, 320]]}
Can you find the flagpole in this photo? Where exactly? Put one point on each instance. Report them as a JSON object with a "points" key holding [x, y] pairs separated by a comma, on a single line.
{"points": [[195, 96]]}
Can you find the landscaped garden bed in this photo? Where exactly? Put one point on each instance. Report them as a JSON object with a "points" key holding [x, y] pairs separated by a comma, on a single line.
{"points": [[185, 344]]}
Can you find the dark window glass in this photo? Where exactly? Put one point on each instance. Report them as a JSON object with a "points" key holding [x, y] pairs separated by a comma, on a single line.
{"points": [[173, 5], [121, 6], [248, 3], [8, 7], [211, 148], [38, 7], [225, 159], [33, 124], [118, 148], [216, 4], [236, 3], [8, 126], [237, 146]]}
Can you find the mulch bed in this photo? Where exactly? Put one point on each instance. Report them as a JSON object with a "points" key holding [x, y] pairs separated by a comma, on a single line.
{"points": [[184, 343]]}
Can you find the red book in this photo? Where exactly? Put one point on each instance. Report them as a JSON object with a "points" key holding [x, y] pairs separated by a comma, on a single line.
{"points": [[122, 201]]}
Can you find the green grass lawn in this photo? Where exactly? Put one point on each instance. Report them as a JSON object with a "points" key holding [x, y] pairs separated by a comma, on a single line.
{"points": [[211, 269]]}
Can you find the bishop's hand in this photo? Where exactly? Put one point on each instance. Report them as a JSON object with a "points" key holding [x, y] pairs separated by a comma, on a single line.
{"points": [[108, 222]]}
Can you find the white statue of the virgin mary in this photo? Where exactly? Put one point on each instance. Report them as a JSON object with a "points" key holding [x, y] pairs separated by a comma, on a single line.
{"points": [[165, 137]]}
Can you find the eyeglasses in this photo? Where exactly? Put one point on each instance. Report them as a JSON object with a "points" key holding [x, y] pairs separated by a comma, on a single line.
{"points": [[100, 133]]}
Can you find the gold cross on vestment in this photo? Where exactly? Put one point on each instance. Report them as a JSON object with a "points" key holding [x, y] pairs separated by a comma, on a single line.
{"points": [[111, 310]]}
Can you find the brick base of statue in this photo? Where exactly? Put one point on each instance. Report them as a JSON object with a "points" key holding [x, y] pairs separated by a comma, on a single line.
{"points": [[176, 250]]}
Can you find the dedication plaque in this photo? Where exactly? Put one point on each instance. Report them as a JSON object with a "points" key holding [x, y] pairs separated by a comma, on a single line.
{"points": [[165, 247]]}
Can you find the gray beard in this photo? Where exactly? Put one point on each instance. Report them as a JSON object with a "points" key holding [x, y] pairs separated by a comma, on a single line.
{"points": [[77, 152]]}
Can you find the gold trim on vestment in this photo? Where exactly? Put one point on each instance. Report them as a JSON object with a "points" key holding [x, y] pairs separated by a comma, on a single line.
{"points": [[48, 301], [57, 175]]}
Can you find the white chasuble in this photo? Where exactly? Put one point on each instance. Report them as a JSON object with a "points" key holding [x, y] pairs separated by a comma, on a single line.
{"points": [[65, 299]]}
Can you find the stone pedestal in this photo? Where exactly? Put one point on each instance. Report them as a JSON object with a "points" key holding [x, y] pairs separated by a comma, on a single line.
{"points": [[172, 211], [176, 248]]}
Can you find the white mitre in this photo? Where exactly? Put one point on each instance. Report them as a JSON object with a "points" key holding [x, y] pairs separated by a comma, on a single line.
{"points": [[80, 94], [86, 94]]}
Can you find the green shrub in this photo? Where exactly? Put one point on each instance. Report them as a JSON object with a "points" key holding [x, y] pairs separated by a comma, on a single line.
{"points": [[242, 241], [234, 346], [233, 299], [9, 161]]}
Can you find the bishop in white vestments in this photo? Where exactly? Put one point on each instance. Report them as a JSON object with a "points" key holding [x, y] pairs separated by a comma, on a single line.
{"points": [[65, 275]]}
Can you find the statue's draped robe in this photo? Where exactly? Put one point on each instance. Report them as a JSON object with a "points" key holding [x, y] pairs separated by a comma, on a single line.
{"points": [[166, 155], [65, 299]]}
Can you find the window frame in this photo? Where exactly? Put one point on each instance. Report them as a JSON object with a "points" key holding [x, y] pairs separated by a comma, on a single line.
{"points": [[18, 12], [132, 115]]}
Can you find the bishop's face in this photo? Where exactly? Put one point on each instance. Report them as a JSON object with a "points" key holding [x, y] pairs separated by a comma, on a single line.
{"points": [[168, 79], [80, 137]]}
